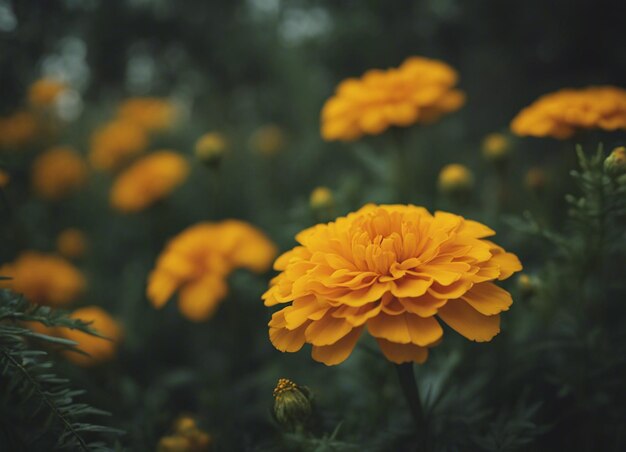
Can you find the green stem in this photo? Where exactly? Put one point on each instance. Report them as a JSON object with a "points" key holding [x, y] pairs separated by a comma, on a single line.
{"points": [[406, 376]]}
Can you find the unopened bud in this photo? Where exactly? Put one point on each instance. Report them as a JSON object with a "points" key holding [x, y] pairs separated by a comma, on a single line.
{"points": [[292, 405], [455, 180], [321, 198], [496, 147], [210, 148], [615, 163]]}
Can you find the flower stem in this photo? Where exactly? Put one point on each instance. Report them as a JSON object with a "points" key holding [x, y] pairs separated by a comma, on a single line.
{"points": [[406, 376]]}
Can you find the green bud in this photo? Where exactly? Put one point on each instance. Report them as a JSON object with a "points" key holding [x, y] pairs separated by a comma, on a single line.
{"points": [[292, 405], [615, 163]]}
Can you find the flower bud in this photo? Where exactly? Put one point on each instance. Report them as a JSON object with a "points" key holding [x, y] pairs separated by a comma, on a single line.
{"points": [[71, 243], [185, 424], [268, 140], [4, 178], [455, 180], [526, 284], [210, 148], [292, 405], [174, 443], [496, 147], [535, 179], [615, 163], [321, 198]]}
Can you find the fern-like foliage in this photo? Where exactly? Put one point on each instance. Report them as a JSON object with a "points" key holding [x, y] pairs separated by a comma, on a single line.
{"points": [[38, 409]]}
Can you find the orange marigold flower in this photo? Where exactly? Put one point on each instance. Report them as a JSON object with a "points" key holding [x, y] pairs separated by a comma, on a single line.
{"points": [[151, 113], [148, 180], [198, 260], [44, 279], [72, 243], [563, 113], [45, 91], [394, 269], [420, 90], [58, 172], [115, 143], [18, 129]]}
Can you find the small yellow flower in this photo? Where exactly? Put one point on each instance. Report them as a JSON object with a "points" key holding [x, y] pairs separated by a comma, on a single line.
{"points": [[115, 143], [421, 90], [148, 180], [18, 130], [563, 113], [45, 91], [210, 148], [395, 270], [58, 172], [615, 163], [5, 178], [151, 113], [455, 178], [268, 140], [292, 405], [72, 243], [187, 437], [496, 147], [44, 279], [197, 262], [321, 198], [526, 284], [535, 179]]}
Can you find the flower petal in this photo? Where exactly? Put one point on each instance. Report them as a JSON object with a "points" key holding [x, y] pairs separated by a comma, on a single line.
{"points": [[402, 353], [327, 330], [199, 299], [337, 352], [468, 322], [488, 299], [405, 328]]}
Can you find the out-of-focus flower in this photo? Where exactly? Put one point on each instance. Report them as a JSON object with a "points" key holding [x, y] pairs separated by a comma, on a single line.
{"points": [[115, 143], [535, 179], [44, 92], [615, 163], [58, 172], [197, 262], [18, 129], [151, 113], [210, 148], [5, 178], [44, 279], [292, 405], [420, 90], [268, 140], [392, 269], [496, 147], [72, 243], [187, 437], [526, 284], [148, 180], [321, 198], [455, 179], [563, 113]]}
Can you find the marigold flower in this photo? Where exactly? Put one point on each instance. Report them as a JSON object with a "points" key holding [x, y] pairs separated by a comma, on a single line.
{"points": [[563, 113], [198, 260], [44, 279], [420, 90], [268, 140], [150, 113], [496, 147], [187, 437], [58, 172], [115, 143], [18, 129], [43, 92], [455, 178], [392, 269], [71, 243], [210, 148], [148, 180], [321, 198]]}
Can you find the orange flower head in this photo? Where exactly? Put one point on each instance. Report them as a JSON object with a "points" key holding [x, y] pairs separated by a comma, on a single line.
{"points": [[421, 90], [18, 130], [44, 279], [148, 180], [563, 113], [44, 92], [72, 243], [197, 262], [151, 113], [58, 172], [115, 143], [395, 270]]}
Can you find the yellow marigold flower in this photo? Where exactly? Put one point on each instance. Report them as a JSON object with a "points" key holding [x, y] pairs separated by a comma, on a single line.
{"points": [[420, 90], [496, 147], [198, 260], [115, 143], [45, 91], [210, 148], [455, 178], [268, 140], [393, 269], [150, 113], [71, 243], [44, 279], [561, 114], [5, 178], [58, 172], [321, 198], [148, 180], [18, 129]]}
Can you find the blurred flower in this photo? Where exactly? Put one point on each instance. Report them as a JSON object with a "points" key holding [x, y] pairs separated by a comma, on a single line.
{"points": [[292, 405], [116, 142], [150, 113], [44, 92], [187, 437], [43, 279], [496, 147], [420, 90], [268, 140], [321, 198], [148, 180], [4, 178], [615, 163], [392, 268], [526, 284], [455, 179], [562, 113], [198, 260], [58, 172], [71, 243], [535, 179], [18, 129], [210, 148]]}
